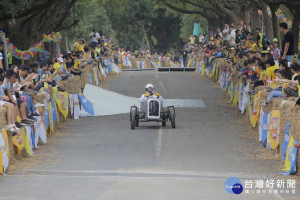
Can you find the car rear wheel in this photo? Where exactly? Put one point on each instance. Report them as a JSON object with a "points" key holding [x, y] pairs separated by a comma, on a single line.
{"points": [[172, 118], [132, 118]]}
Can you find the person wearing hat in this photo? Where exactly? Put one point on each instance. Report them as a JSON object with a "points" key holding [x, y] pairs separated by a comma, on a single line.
{"points": [[60, 70]]}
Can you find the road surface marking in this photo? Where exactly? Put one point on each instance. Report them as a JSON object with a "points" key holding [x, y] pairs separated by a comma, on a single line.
{"points": [[156, 75], [162, 86], [159, 142], [185, 103]]}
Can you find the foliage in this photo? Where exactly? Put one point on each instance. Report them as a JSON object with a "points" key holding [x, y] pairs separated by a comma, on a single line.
{"points": [[91, 15], [187, 25]]}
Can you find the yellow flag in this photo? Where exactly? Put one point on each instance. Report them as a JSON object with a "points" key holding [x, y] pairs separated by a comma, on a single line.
{"points": [[236, 95], [26, 141], [3, 151], [256, 108], [274, 128], [189, 63], [63, 107], [99, 74], [4, 134], [289, 154], [17, 140], [203, 69]]}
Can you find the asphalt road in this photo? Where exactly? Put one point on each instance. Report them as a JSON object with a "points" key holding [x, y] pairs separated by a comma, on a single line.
{"points": [[100, 158]]}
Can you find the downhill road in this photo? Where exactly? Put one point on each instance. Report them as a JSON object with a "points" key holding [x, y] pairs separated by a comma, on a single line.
{"points": [[100, 158]]}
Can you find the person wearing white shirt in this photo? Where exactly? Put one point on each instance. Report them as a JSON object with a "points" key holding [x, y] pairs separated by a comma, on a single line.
{"points": [[232, 42], [94, 37]]}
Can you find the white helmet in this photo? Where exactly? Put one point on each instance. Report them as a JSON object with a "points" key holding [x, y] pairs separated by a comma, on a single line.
{"points": [[149, 88]]}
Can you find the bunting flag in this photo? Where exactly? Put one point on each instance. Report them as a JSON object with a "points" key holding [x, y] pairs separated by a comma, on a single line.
{"points": [[274, 128], [86, 104], [282, 18], [286, 140], [32, 51], [269, 11], [291, 158], [4, 149]]}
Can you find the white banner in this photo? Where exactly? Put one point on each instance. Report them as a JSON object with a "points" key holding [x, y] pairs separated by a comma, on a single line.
{"points": [[3, 150]]}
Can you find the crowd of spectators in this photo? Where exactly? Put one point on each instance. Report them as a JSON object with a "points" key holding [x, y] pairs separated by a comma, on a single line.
{"points": [[20, 83], [260, 60]]}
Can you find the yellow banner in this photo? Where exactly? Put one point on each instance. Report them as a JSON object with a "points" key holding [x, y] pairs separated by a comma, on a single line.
{"points": [[289, 154], [256, 109], [62, 102], [26, 141], [274, 128], [17, 140]]}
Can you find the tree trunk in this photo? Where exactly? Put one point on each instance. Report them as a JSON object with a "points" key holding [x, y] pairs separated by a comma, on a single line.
{"points": [[295, 31], [275, 24], [247, 16]]}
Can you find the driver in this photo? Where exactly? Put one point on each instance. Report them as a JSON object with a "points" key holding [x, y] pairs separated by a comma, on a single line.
{"points": [[150, 93]]}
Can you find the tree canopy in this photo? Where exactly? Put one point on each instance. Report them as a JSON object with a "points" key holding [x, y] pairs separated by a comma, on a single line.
{"points": [[158, 24]]}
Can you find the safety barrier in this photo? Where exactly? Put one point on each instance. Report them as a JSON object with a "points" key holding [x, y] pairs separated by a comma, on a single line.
{"points": [[278, 124], [144, 64]]}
